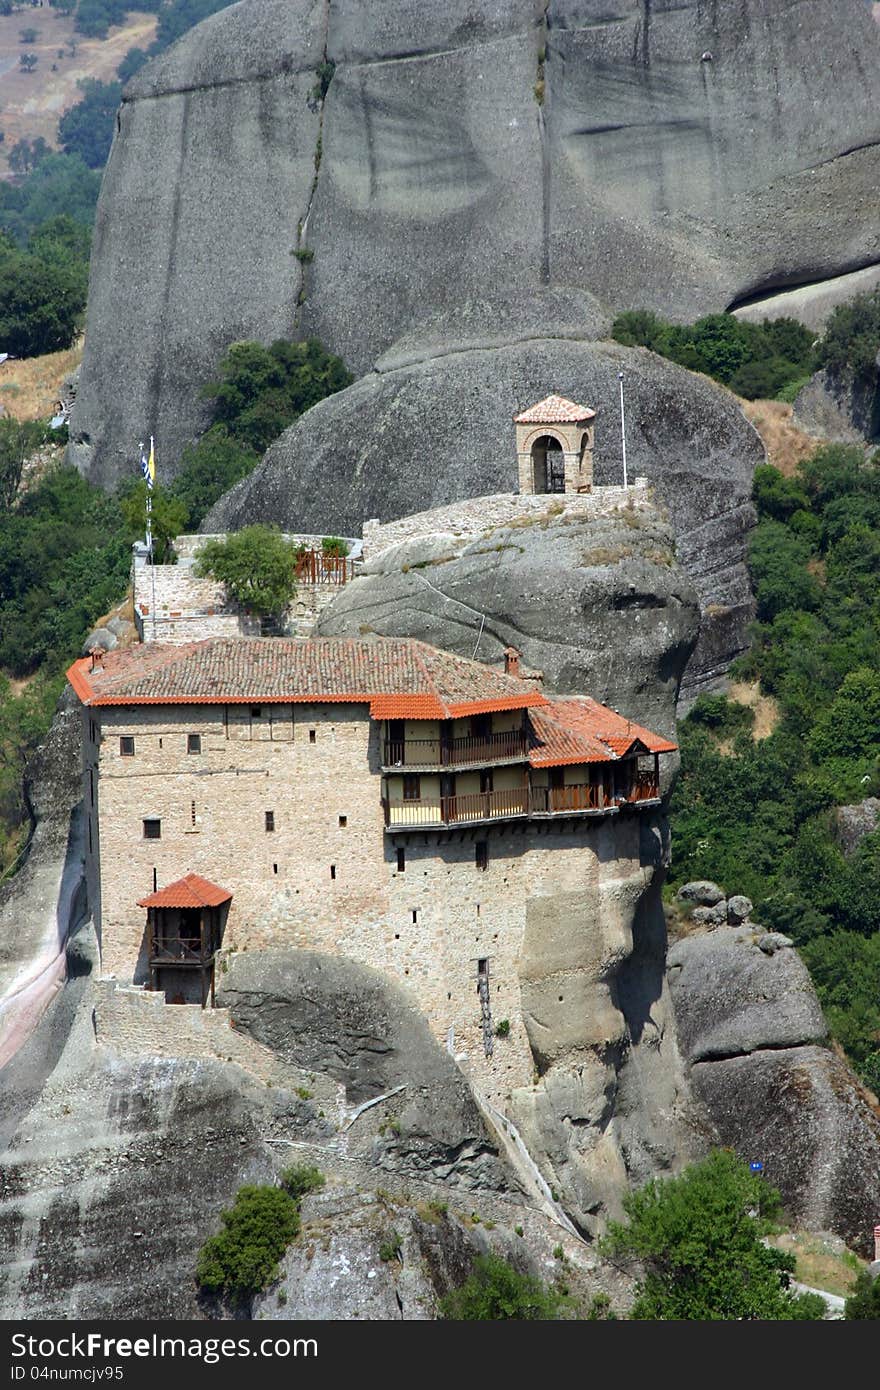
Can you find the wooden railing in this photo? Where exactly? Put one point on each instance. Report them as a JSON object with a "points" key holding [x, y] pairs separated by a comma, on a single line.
{"points": [[579, 797], [317, 567], [513, 801], [171, 950], [456, 752]]}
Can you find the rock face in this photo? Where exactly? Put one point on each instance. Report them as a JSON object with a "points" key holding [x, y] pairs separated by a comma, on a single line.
{"points": [[385, 448], [471, 177], [752, 1032], [835, 407], [853, 823], [596, 604]]}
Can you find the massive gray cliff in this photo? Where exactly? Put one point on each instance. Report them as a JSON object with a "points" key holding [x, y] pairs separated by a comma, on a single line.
{"points": [[480, 172]]}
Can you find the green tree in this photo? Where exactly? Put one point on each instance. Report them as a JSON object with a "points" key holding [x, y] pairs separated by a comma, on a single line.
{"points": [[495, 1290], [243, 1258], [852, 338], [18, 440], [28, 35], [167, 517], [698, 1240], [25, 155], [28, 61], [40, 305], [260, 391], [210, 468], [256, 566], [87, 128], [864, 1301]]}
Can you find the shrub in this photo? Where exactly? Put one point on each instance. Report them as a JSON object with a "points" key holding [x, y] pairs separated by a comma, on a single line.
{"points": [[864, 1301], [301, 1178], [243, 1258], [334, 545], [256, 567], [390, 1249], [496, 1291]]}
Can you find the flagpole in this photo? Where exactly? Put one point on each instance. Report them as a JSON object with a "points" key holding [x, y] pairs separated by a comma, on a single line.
{"points": [[150, 541], [622, 427]]}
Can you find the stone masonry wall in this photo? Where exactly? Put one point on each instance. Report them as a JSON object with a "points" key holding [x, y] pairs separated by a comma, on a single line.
{"points": [[327, 876], [477, 515], [192, 609]]}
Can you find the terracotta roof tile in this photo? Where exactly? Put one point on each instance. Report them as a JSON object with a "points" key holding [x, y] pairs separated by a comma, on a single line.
{"points": [[397, 677], [576, 729], [190, 891], [554, 410]]}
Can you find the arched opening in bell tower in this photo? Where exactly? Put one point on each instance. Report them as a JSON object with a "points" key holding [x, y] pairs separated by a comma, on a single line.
{"points": [[548, 464]]}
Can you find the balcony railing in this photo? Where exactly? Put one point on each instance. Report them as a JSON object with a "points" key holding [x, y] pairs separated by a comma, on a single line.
{"points": [[456, 752], [645, 787], [557, 800], [170, 950]]}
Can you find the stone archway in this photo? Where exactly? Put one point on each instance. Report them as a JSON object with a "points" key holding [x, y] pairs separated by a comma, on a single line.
{"points": [[548, 464]]}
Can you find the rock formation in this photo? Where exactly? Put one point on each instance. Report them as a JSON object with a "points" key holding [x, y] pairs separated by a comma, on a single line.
{"points": [[384, 448], [485, 174], [751, 1030]]}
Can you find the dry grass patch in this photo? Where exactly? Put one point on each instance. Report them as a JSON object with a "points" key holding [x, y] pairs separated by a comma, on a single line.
{"points": [[823, 1260], [30, 386], [787, 445], [765, 708]]}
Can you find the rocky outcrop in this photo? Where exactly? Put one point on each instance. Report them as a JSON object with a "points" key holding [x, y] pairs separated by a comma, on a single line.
{"points": [[46, 897], [472, 177], [753, 1035], [352, 458], [596, 603], [853, 823], [836, 407]]}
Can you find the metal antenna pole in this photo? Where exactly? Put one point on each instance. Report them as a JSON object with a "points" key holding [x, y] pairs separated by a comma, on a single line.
{"points": [[622, 427]]}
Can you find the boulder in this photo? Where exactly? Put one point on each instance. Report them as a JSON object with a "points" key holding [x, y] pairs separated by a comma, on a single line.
{"points": [[455, 187], [714, 916], [387, 447], [752, 1032], [101, 637], [853, 823], [701, 891], [738, 909]]}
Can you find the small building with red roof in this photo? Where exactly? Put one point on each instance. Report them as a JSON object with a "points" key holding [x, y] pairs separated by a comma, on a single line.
{"points": [[373, 797]]}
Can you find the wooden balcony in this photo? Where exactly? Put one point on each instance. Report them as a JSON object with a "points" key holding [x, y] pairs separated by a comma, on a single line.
{"points": [[511, 745], [171, 950], [515, 803]]}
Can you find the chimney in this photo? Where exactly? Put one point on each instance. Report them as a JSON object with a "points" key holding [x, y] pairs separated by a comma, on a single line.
{"points": [[97, 655], [511, 661]]}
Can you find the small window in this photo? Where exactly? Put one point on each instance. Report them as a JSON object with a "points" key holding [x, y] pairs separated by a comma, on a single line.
{"points": [[481, 854], [411, 786], [256, 711], [415, 914], [155, 880], [274, 868], [193, 743], [343, 822], [401, 860], [126, 746], [152, 829], [313, 735], [332, 870], [192, 813], [270, 820]]}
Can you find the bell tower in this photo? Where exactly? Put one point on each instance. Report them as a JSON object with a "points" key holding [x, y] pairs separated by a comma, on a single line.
{"points": [[554, 446]]}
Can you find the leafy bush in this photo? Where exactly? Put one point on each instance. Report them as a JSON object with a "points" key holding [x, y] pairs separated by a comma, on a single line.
{"points": [[753, 359], [256, 566], [262, 390], [301, 1178], [698, 1241], [41, 304], [852, 337], [208, 469], [496, 1290], [334, 545], [243, 1258], [864, 1301]]}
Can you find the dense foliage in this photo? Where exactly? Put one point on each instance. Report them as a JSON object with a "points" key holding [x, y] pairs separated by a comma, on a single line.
{"points": [[765, 360], [760, 816], [852, 337], [864, 1301], [56, 184], [495, 1290], [243, 1258], [256, 567], [698, 1240], [258, 393], [87, 128], [43, 288]]}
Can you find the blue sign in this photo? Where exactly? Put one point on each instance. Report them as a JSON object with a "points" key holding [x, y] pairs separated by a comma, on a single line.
{"points": [[757, 1167]]}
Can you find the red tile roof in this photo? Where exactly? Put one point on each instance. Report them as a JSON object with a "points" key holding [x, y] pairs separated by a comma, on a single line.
{"points": [[554, 410], [399, 678], [576, 729], [190, 891]]}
